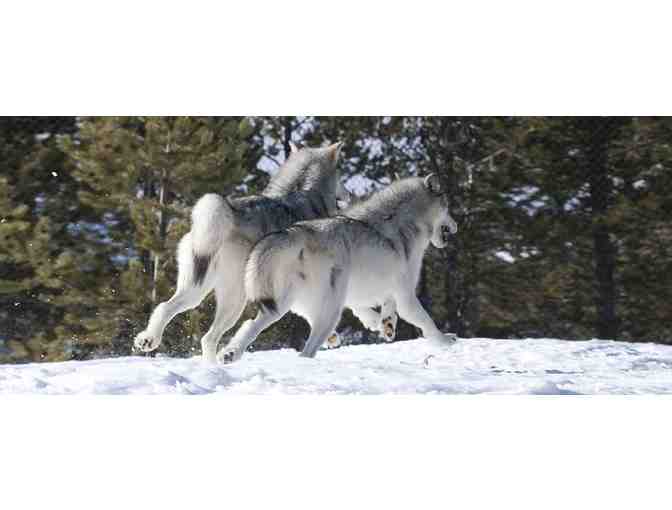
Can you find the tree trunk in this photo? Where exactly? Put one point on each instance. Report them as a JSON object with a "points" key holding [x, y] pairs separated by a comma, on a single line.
{"points": [[162, 235], [605, 255], [461, 264], [453, 289], [146, 255], [423, 289], [455, 280], [604, 250]]}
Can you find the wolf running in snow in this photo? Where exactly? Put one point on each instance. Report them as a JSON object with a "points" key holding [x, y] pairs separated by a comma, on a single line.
{"points": [[212, 255], [369, 256]]}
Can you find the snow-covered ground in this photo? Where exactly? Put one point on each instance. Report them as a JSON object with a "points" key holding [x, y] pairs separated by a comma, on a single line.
{"points": [[534, 366]]}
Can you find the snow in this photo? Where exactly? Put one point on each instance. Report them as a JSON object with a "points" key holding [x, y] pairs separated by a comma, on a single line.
{"points": [[505, 256], [360, 186], [639, 184], [531, 366]]}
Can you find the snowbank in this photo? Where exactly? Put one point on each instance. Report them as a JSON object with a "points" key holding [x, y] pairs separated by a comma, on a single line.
{"points": [[535, 366]]}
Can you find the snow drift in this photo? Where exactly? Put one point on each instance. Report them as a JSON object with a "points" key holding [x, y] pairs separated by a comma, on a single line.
{"points": [[533, 366]]}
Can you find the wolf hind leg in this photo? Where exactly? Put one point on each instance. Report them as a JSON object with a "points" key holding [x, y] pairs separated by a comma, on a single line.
{"points": [[324, 318], [229, 309], [185, 298], [188, 295], [248, 333], [319, 332]]}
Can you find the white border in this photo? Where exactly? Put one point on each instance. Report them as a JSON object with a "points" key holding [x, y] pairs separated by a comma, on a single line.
{"points": [[353, 57], [335, 452], [273, 58]]}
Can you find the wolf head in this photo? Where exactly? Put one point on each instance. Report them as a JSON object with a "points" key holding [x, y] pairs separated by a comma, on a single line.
{"points": [[311, 169], [410, 206], [439, 211]]}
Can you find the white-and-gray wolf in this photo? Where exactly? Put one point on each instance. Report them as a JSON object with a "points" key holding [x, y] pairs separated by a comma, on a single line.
{"points": [[369, 256], [213, 254]]}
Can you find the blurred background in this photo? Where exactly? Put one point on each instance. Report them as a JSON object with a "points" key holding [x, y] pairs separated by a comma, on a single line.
{"points": [[565, 227]]}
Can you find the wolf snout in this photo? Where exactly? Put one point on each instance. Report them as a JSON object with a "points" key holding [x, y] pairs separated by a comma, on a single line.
{"points": [[447, 231]]}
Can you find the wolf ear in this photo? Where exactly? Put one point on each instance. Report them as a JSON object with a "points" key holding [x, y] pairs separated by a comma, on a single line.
{"points": [[433, 184], [334, 151]]}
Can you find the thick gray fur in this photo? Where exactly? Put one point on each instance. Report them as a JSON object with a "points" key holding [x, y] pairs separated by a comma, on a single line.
{"points": [[369, 256], [212, 255]]}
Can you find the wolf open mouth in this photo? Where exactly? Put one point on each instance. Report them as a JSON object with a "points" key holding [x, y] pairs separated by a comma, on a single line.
{"points": [[445, 233]]}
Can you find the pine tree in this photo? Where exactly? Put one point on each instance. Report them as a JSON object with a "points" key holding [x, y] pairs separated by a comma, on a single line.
{"points": [[142, 175], [36, 240], [642, 213], [571, 170]]}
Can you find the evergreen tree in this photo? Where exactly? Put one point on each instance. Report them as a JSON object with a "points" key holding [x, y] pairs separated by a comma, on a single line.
{"points": [[142, 175], [578, 176], [37, 244], [642, 213]]}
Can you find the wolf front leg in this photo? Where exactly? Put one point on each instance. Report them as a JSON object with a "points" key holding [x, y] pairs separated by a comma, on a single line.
{"points": [[324, 314], [319, 332], [412, 311], [184, 299], [384, 322]]}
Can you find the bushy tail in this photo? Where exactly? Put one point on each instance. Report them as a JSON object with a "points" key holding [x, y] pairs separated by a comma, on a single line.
{"points": [[211, 219], [270, 267]]}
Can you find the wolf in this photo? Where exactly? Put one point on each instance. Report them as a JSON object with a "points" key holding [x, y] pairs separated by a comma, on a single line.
{"points": [[368, 257], [213, 254]]}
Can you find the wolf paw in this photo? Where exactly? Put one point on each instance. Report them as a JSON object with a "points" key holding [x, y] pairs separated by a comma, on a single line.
{"points": [[449, 338], [389, 328], [145, 342], [228, 356], [333, 341]]}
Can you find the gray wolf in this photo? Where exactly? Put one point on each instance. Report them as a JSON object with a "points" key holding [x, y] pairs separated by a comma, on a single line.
{"points": [[369, 256], [213, 254]]}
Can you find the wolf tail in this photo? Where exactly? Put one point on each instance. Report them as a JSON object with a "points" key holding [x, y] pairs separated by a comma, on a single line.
{"points": [[211, 219], [269, 270]]}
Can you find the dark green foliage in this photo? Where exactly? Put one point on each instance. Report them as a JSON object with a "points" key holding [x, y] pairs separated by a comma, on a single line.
{"points": [[38, 248], [93, 243], [142, 174]]}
